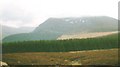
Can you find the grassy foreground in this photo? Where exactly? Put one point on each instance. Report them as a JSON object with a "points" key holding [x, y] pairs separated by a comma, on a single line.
{"points": [[92, 57]]}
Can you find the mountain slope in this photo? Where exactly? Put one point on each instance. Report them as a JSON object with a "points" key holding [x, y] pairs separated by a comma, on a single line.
{"points": [[85, 35], [52, 28], [82, 24]]}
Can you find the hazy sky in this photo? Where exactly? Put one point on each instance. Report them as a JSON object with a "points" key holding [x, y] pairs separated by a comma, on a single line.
{"points": [[18, 13]]}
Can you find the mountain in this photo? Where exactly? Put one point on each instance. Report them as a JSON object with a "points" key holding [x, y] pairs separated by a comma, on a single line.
{"points": [[53, 28], [73, 25], [7, 31]]}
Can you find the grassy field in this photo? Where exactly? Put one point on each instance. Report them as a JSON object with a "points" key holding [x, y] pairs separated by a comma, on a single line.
{"points": [[92, 57], [106, 42]]}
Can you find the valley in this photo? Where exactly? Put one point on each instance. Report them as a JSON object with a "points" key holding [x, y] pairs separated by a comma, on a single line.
{"points": [[65, 41]]}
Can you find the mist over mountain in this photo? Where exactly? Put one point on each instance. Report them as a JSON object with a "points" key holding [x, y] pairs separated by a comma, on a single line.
{"points": [[52, 28]]}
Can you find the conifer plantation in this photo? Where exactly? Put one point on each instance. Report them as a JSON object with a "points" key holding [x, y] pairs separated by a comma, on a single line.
{"points": [[105, 42]]}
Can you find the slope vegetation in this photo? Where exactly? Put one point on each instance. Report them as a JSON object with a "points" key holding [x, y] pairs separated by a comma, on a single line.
{"points": [[106, 42]]}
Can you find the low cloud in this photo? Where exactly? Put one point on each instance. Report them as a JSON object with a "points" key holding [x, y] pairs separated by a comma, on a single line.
{"points": [[15, 16]]}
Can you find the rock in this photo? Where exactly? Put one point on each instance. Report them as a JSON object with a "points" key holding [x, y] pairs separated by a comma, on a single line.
{"points": [[3, 63]]}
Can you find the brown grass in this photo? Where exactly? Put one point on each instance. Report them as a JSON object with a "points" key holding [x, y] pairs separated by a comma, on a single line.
{"points": [[85, 35], [99, 57]]}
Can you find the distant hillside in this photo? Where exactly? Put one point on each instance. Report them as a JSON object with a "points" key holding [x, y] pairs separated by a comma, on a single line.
{"points": [[52, 28], [6, 31]]}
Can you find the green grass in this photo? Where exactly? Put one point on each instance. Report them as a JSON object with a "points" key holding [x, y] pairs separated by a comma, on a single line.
{"points": [[106, 42]]}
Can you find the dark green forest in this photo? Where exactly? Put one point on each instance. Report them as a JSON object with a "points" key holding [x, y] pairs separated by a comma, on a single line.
{"points": [[105, 42]]}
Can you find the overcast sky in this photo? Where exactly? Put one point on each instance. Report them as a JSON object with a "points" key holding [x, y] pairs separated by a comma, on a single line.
{"points": [[31, 13]]}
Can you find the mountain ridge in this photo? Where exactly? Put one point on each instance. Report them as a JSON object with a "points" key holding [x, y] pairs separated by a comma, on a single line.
{"points": [[52, 28]]}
